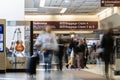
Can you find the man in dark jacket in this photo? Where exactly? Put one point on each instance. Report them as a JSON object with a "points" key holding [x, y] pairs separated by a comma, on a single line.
{"points": [[60, 53], [107, 44]]}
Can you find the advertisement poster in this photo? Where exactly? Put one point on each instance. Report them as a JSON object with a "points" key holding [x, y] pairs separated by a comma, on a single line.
{"points": [[17, 50]]}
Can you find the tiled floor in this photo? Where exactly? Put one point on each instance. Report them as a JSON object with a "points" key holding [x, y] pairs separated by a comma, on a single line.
{"points": [[95, 72], [54, 75], [99, 69]]}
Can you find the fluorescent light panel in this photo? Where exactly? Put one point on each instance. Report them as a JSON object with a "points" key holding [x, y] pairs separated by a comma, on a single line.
{"points": [[103, 11], [63, 10], [42, 3], [31, 9]]}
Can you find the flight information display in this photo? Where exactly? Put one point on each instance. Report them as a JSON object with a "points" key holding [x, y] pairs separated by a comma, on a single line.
{"points": [[1, 38]]}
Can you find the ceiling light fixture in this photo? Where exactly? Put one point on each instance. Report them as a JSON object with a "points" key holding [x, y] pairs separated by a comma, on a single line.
{"points": [[103, 11], [31, 9], [63, 10], [42, 3], [67, 1]]}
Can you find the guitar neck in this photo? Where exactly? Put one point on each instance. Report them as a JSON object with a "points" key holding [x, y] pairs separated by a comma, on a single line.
{"points": [[19, 35]]}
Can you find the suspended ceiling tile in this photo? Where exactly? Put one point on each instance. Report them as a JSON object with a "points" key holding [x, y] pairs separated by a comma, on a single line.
{"points": [[76, 4], [63, 4], [29, 3], [79, 0], [92, 0], [56, 2], [81, 6], [91, 7], [47, 3], [45, 10], [89, 3]]}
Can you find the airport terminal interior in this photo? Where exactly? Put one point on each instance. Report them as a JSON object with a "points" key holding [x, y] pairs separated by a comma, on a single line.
{"points": [[60, 40]]}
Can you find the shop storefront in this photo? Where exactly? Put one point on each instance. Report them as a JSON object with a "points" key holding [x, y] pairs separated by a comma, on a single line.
{"points": [[17, 46], [21, 36]]}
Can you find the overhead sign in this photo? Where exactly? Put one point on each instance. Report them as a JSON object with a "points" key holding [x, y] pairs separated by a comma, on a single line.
{"points": [[110, 3], [66, 25]]}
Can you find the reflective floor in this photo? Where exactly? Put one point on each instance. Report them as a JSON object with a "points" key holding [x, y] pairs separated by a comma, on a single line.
{"points": [[95, 72], [54, 75]]}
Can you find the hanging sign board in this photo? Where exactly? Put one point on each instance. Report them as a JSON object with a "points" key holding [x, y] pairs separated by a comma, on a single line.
{"points": [[66, 25], [110, 3]]}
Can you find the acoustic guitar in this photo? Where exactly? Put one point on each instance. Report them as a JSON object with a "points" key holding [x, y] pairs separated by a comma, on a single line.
{"points": [[19, 44]]}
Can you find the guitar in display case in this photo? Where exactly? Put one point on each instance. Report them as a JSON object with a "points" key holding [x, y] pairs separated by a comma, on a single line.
{"points": [[19, 43]]}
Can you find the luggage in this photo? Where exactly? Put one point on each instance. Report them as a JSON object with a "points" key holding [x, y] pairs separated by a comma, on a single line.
{"points": [[31, 66]]}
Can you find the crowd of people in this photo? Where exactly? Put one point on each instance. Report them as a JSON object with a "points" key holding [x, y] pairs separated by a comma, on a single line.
{"points": [[75, 52]]}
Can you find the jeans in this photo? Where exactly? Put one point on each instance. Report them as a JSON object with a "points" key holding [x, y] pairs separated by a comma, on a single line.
{"points": [[60, 60], [48, 60]]}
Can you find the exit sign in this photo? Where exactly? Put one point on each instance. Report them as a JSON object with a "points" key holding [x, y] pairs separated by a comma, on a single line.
{"points": [[110, 3]]}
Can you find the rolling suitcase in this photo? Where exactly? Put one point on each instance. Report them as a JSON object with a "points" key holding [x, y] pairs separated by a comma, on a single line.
{"points": [[31, 66]]}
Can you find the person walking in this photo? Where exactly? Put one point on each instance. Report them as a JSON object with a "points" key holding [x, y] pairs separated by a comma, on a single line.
{"points": [[107, 44], [60, 53], [47, 43], [71, 52], [82, 48]]}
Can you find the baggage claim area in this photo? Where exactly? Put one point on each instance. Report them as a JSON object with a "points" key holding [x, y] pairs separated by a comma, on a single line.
{"points": [[59, 39]]}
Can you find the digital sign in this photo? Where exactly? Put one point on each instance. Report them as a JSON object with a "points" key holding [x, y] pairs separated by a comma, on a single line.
{"points": [[1, 38]]}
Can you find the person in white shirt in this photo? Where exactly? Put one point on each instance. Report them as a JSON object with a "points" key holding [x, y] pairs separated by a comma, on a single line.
{"points": [[47, 43]]}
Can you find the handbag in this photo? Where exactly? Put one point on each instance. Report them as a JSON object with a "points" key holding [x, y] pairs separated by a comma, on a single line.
{"points": [[99, 50]]}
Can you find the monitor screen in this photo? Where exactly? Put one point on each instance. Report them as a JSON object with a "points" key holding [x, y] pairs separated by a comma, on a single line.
{"points": [[1, 38]]}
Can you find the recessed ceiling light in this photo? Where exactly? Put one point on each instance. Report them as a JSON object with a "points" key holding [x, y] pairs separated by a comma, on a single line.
{"points": [[42, 3], [67, 1]]}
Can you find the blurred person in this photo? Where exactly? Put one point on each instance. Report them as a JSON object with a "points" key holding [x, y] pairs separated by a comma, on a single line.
{"points": [[86, 57], [71, 60], [71, 53], [66, 53], [86, 52], [71, 45], [47, 43], [99, 52], [107, 45], [76, 49], [93, 52], [78, 55], [82, 53], [94, 47], [60, 53]]}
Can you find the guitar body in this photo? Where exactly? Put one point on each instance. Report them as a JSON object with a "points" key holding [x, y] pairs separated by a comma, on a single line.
{"points": [[19, 46]]}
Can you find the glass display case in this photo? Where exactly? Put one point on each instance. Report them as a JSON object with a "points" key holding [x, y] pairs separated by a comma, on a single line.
{"points": [[17, 46]]}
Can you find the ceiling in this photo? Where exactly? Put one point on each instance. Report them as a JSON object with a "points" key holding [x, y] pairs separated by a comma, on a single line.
{"points": [[53, 7]]}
